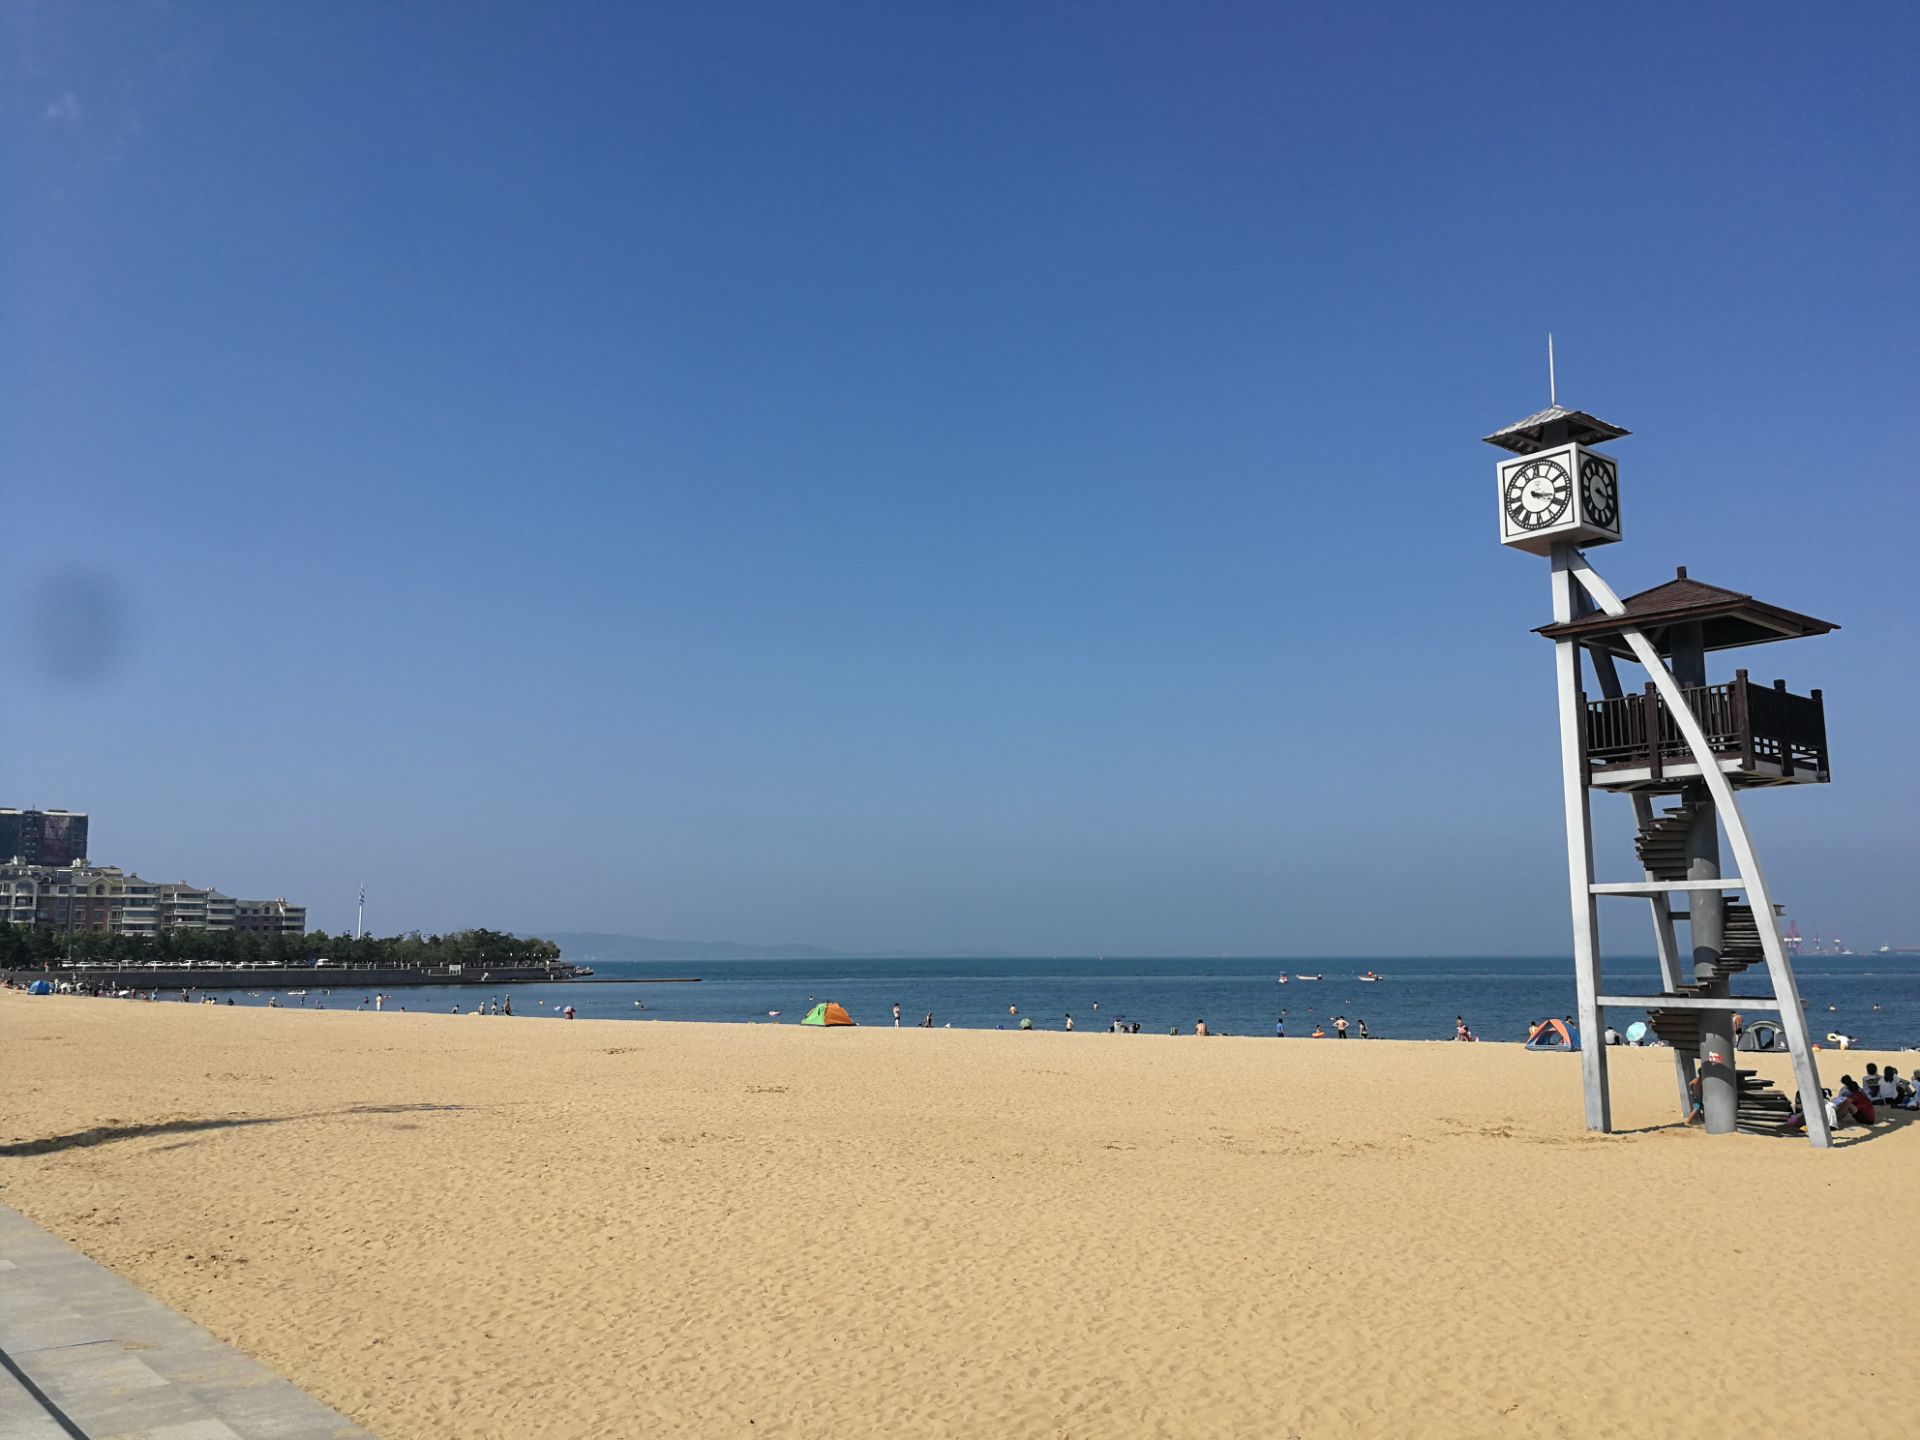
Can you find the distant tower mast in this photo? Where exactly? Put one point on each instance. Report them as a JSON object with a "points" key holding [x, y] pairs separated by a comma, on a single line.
{"points": [[360, 915]]}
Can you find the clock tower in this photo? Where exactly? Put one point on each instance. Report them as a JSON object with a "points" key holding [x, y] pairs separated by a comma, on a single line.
{"points": [[1559, 488], [1682, 737]]}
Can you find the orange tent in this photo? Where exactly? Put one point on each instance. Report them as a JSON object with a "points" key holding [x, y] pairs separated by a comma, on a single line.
{"points": [[1553, 1035], [827, 1013]]}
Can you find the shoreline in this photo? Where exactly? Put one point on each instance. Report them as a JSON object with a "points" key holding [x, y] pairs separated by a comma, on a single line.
{"points": [[1826, 1052]]}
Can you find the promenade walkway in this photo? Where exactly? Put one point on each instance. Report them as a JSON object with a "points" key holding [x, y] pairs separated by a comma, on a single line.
{"points": [[86, 1356]]}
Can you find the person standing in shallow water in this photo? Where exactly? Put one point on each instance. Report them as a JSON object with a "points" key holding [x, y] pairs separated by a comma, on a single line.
{"points": [[896, 1014], [1069, 1022], [1363, 1031], [1340, 1027]]}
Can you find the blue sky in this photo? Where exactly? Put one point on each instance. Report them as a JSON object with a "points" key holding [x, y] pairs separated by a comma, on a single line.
{"points": [[930, 476]]}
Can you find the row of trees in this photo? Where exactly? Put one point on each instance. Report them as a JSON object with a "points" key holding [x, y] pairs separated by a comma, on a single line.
{"points": [[31, 947]]}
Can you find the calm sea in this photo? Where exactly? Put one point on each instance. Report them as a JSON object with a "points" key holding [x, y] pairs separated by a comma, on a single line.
{"points": [[1876, 999]]}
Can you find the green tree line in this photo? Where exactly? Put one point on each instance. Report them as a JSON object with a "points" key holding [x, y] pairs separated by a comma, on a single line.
{"points": [[33, 947]]}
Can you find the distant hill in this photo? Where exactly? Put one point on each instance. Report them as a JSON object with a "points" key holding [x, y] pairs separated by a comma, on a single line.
{"points": [[587, 947]]}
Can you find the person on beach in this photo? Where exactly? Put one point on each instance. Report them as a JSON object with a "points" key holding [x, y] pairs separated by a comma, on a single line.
{"points": [[1339, 1027], [1894, 1087], [1200, 1027], [568, 1012], [927, 1023], [1069, 1022], [896, 1014], [1363, 1031], [1841, 1103], [1797, 1121], [1460, 1030], [506, 1006], [1861, 1101], [1318, 1034], [1280, 1028]]}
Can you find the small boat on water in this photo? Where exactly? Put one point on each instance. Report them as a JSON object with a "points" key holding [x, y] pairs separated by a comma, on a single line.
{"points": [[1369, 978], [298, 994], [1283, 979], [1306, 977]]}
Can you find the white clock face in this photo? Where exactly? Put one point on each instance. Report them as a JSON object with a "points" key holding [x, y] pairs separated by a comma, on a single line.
{"points": [[1600, 492], [1537, 494]]}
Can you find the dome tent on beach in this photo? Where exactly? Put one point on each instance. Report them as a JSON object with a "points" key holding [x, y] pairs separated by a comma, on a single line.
{"points": [[827, 1013], [1553, 1035], [1762, 1035], [40, 987]]}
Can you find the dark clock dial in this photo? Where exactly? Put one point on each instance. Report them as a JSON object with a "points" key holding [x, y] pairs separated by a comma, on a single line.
{"points": [[1537, 494], [1600, 492]]}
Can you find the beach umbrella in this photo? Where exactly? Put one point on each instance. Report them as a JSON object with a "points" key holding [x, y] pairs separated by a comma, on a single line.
{"points": [[1636, 1032]]}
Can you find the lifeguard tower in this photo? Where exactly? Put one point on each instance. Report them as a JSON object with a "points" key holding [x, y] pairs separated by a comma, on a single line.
{"points": [[1680, 738]]}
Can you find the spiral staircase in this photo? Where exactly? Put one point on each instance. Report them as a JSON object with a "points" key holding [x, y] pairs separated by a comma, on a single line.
{"points": [[1662, 846]]}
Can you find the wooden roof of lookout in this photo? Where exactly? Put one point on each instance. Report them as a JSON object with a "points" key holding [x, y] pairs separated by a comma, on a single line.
{"points": [[1555, 425], [1727, 619]]}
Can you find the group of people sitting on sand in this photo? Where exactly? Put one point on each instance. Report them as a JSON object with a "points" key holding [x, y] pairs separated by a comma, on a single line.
{"points": [[1861, 1101]]}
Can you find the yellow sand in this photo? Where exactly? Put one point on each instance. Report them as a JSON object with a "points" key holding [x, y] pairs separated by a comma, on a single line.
{"points": [[462, 1227]]}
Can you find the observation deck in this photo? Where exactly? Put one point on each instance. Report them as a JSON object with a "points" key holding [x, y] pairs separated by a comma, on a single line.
{"points": [[1759, 735]]}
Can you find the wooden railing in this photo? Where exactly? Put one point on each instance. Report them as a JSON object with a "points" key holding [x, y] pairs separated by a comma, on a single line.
{"points": [[1753, 722]]}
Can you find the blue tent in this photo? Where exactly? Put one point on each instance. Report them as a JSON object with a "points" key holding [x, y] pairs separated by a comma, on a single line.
{"points": [[40, 987]]}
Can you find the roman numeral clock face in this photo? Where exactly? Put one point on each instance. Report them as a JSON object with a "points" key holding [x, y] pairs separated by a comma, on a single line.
{"points": [[1538, 494]]}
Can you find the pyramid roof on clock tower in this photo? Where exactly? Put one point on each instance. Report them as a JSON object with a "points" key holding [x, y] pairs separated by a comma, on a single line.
{"points": [[1727, 619], [1555, 425]]}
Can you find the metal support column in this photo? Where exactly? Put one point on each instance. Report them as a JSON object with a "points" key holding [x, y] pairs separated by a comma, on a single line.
{"points": [[1707, 930], [1586, 920], [1707, 912]]}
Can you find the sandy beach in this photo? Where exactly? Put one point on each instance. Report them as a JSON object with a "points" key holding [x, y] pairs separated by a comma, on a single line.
{"points": [[464, 1227]]}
